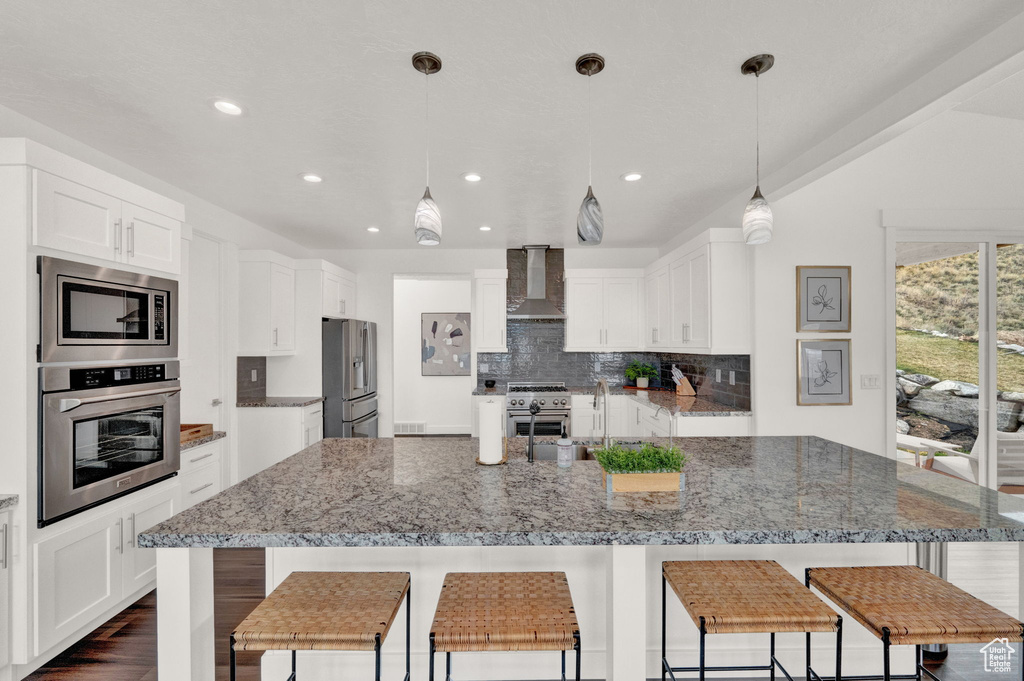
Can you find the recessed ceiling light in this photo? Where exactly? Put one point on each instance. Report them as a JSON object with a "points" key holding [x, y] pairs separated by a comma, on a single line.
{"points": [[472, 177], [227, 107], [311, 177], [632, 176], [485, 228], [373, 229]]}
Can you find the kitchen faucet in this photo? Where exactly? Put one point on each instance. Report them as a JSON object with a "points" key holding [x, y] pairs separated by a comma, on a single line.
{"points": [[534, 410], [601, 392], [670, 423]]}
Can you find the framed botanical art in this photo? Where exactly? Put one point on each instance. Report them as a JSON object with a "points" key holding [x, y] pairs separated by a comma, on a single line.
{"points": [[823, 372], [823, 299]]}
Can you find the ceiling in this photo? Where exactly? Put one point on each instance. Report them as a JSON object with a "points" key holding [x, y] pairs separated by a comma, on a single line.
{"points": [[1005, 99], [328, 88]]}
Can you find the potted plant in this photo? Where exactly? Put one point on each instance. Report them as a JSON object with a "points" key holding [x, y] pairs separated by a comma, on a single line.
{"points": [[641, 372], [649, 468]]}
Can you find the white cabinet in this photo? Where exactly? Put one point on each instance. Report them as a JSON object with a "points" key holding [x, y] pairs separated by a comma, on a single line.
{"points": [[77, 219], [312, 424], [201, 473], [603, 310], [268, 435], [658, 302], [5, 589], [266, 313], [589, 423], [489, 308], [338, 296], [88, 568], [690, 292], [140, 564]]}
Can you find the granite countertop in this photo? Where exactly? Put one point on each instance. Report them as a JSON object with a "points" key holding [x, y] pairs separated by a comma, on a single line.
{"points": [[680, 406], [280, 402], [199, 442], [8, 500], [739, 490]]}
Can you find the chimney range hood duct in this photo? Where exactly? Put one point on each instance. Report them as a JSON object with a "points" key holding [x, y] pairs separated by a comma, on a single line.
{"points": [[536, 305]]}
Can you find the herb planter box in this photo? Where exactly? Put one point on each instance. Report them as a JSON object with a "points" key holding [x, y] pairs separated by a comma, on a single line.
{"points": [[643, 482]]}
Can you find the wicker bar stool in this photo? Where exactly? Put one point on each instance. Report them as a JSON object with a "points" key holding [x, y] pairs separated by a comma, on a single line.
{"points": [[327, 611], [743, 597], [907, 605], [504, 611]]}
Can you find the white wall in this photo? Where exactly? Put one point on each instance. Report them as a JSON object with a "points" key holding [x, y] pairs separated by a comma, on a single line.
{"points": [[443, 403]]}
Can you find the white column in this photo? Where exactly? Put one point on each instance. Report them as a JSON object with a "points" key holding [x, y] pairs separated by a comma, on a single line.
{"points": [[184, 614], [627, 617]]}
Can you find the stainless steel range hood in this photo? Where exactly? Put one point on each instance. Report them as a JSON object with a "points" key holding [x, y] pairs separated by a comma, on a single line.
{"points": [[536, 305]]}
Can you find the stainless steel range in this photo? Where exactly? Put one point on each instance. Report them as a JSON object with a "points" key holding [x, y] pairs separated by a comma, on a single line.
{"points": [[554, 403]]}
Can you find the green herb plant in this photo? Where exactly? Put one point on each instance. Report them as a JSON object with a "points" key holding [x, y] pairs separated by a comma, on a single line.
{"points": [[637, 369], [649, 458]]}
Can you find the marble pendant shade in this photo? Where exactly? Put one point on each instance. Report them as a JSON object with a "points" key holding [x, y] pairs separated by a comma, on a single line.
{"points": [[428, 221], [590, 221]]}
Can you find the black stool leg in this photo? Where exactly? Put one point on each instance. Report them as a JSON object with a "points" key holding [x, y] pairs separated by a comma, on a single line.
{"points": [[771, 659], [376, 654], [231, 657], [292, 677], [408, 631], [431, 657], [579, 654], [447, 667], [664, 651], [563, 665], [807, 643], [703, 634], [885, 654], [839, 649]]}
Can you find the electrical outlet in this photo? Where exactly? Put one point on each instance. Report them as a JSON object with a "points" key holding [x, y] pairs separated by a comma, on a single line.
{"points": [[718, 375], [870, 381], [732, 378], [483, 368], [597, 366], [255, 376]]}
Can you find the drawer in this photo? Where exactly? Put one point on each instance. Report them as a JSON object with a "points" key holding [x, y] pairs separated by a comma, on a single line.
{"points": [[200, 485], [199, 457], [313, 412]]}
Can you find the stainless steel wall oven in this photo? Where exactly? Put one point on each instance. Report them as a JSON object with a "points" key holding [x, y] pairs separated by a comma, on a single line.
{"points": [[105, 431], [99, 313]]}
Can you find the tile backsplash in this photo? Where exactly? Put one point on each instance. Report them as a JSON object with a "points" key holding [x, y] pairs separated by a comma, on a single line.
{"points": [[535, 353], [248, 389]]}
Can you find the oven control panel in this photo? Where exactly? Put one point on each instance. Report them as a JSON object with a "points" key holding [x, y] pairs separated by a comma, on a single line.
{"points": [[106, 377]]}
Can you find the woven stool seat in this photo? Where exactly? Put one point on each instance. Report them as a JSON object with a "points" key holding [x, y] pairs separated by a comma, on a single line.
{"points": [[504, 611], [325, 611], [747, 596], [913, 604]]}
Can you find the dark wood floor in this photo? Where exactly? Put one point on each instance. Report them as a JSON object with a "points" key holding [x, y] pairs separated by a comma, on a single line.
{"points": [[124, 648]]}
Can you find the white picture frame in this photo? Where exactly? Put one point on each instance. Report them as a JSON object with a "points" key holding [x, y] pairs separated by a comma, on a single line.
{"points": [[823, 299], [823, 373]]}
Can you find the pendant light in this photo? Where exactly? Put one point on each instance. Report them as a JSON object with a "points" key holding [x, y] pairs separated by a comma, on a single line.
{"points": [[590, 221], [757, 216], [427, 223]]}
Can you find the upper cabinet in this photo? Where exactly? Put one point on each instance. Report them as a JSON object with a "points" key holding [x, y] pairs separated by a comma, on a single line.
{"points": [[80, 220], [698, 300], [489, 310], [339, 296], [266, 311], [603, 310]]}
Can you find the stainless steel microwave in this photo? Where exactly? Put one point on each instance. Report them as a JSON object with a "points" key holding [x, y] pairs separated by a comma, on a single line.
{"points": [[99, 313]]}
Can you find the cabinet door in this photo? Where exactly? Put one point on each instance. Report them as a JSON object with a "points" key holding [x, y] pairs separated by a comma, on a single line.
{"points": [[679, 309], [200, 484], [658, 304], [78, 577], [347, 304], [312, 424], [584, 324], [5, 589], [490, 315], [140, 564], [584, 418], [151, 240], [331, 296], [282, 308], [700, 299], [73, 218], [618, 418], [622, 313]]}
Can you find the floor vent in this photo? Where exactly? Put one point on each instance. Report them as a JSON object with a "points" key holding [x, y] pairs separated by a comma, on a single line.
{"points": [[410, 428]]}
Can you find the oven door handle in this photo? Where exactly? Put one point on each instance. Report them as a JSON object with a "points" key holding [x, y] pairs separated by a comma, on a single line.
{"points": [[67, 404]]}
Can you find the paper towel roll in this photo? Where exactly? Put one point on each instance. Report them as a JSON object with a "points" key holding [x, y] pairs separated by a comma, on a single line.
{"points": [[492, 415]]}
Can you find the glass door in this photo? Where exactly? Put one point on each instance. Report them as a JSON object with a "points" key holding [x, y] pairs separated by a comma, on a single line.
{"points": [[1009, 355], [112, 445]]}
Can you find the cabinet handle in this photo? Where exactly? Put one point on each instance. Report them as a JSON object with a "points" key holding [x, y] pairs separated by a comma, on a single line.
{"points": [[131, 239], [201, 488], [200, 458], [216, 402], [638, 417], [341, 306], [3, 551], [131, 537], [120, 535], [275, 338], [117, 235]]}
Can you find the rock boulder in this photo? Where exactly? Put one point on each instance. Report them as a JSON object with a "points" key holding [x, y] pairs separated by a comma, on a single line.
{"points": [[958, 388], [921, 379], [902, 427], [909, 387], [948, 407]]}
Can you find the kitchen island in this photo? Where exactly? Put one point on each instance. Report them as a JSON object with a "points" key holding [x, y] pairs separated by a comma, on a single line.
{"points": [[423, 505]]}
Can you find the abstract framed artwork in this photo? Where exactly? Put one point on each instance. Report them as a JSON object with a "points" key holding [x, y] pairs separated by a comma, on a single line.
{"points": [[823, 372], [823, 299], [445, 346]]}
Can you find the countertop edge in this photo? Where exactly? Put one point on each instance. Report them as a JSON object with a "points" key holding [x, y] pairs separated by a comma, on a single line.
{"points": [[278, 402], [8, 501], [199, 442]]}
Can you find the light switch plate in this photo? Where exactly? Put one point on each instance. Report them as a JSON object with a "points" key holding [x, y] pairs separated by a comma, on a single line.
{"points": [[718, 375], [255, 376], [732, 378], [597, 366], [870, 381], [484, 368]]}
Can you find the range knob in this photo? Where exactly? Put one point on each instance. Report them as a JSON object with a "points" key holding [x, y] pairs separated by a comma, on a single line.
{"points": [[542, 403], [521, 403], [563, 403]]}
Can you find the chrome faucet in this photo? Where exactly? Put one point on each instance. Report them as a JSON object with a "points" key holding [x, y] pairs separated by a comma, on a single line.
{"points": [[601, 393], [534, 410], [670, 423]]}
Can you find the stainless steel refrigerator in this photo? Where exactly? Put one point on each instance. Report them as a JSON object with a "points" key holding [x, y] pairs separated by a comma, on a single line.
{"points": [[350, 378]]}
